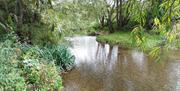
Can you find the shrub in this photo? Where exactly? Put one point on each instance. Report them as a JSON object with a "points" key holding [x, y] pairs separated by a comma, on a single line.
{"points": [[57, 53], [25, 67], [42, 34], [41, 75], [62, 56], [10, 75]]}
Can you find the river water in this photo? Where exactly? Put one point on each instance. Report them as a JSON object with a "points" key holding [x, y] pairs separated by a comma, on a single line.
{"points": [[100, 67]]}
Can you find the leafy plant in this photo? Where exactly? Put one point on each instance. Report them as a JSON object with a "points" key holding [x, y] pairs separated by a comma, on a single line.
{"points": [[62, 56], [56, 53], [26, 67], [10, 75]]}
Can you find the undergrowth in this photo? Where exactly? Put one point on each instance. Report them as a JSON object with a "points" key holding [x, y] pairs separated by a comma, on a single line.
{"points": [[26, 67]]}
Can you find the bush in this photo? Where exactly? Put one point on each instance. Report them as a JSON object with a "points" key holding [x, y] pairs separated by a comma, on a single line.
{"points": [[10, 75], [41, 34], [41, 75], [25, 67], [62, 56], [59, 54]]}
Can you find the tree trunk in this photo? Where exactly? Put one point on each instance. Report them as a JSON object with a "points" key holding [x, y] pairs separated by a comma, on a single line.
{"points": [[117, 12], [19, 14], [102, 22], [119, 16], [110, 26], [110, 22]]}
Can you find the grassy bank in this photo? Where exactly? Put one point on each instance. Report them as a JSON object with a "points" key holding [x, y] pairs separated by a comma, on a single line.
{"points": [[125, 40]]}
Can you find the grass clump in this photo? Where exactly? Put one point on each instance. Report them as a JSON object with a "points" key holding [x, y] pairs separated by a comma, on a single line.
{"points": [[120, 38]]}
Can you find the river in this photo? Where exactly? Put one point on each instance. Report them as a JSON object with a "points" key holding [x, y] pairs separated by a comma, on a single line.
{"points": [[100, 67]]}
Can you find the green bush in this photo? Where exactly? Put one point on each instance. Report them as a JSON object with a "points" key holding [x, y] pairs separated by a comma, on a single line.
{"points": [[48, 37], [10, 75], [41, 75], [57, 53], [62, 56], [26, 67], [43, 35]]}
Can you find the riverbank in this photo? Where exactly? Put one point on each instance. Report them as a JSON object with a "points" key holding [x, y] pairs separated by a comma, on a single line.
{"points": [[124, 40]]}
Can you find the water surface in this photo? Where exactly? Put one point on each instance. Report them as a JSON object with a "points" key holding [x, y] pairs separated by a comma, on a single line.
{"points": [[100, 67]]}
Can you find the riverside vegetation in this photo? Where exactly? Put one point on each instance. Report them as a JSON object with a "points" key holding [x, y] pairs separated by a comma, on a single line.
{"points": [[32, 55], [29, 67], [33, 50]]}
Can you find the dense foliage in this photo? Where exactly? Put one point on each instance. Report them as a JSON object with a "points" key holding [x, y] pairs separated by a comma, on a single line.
{"points": [[34, 21], [140, 17], [27, 67], [31, 56]]}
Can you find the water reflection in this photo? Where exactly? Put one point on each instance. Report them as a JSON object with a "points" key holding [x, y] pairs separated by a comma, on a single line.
{"points": [[101, 67]]}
